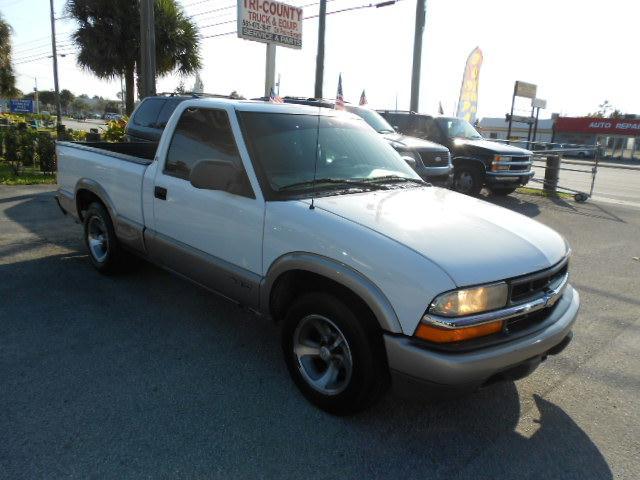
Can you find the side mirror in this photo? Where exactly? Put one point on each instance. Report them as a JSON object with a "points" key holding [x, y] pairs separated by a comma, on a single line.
{"points": [[214, 175], [396, 128]]}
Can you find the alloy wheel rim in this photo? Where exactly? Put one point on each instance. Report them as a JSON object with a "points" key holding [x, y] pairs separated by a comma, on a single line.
{"points": [[323, 355], [98, 239]]}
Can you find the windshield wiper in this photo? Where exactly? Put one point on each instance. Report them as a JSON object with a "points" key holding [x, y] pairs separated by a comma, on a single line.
{"points": [[397, 178], [337, 181]]}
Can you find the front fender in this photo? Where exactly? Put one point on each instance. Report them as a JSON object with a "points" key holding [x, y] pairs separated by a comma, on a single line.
{"points": [[338, 272], [476, 161]]}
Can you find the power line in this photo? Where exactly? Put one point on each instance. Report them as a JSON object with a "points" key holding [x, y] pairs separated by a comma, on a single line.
{"points": [[195, 3], [349, 9], [45, 47], [60, 54]]}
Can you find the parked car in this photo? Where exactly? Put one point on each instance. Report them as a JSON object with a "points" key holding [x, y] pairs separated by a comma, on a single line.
{"points": [[476, 162], [430, 160], [308, 216]]}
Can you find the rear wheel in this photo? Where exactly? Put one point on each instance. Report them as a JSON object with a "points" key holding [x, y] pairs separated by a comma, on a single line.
{"points": [[501, 191], [105, 252], [468, 180], [334, 353]]}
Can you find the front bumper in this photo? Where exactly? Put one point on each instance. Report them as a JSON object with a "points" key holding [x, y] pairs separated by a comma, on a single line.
{"points": [[508, 177], [410, 359]]}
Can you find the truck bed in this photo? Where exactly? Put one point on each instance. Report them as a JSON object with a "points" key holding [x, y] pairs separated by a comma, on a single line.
{"points": [[118, 168], [140, 152]]}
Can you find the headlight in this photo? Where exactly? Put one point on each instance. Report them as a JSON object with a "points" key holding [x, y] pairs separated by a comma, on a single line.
{"points": [[497, 159], [470, 300]]}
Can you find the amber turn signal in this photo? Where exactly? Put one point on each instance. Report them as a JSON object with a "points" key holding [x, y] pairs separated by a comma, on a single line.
{"points": [[446, 335]]}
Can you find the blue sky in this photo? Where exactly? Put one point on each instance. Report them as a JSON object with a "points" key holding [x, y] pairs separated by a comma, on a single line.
{"points": [[578, 52]]}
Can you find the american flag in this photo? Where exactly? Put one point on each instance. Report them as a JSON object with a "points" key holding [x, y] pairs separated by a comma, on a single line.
{"points": [[273, 98], [363, 98], [340, 96]]}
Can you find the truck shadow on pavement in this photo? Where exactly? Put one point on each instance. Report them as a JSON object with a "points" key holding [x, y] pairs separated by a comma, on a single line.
{"points": [[146, 375], [530, 205]]}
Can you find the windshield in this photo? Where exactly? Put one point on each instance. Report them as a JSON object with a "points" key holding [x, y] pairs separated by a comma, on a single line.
{"points": [[458, 128], [373, 118], [283, 149]]}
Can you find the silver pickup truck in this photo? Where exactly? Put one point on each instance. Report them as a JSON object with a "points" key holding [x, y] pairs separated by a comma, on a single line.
{"points": [[309, 216]]}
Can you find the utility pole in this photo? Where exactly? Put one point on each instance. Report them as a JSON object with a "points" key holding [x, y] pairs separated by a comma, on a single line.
{"points": [[147, 48], [55, 65], [317, 93], [421, 12], [270, 69]]}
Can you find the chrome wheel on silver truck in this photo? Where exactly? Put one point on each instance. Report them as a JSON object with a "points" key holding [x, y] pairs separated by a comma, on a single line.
{"points": [[334, 352], [97, 239], [101, 241], [323, 354]]}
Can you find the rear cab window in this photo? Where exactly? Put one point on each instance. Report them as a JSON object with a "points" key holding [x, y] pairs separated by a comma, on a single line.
{"points": [[147, 112]]}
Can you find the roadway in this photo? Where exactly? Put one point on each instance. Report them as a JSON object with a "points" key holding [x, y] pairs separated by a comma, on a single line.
{"points": [[84, 125], [144, 375], [612, 184]]}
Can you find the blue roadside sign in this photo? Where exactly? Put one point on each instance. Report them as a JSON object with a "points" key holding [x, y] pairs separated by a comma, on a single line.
{"points": [[22, 106]]}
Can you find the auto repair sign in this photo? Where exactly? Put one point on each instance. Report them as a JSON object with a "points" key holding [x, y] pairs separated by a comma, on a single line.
{"points": [[270, 22], [605, 126]]}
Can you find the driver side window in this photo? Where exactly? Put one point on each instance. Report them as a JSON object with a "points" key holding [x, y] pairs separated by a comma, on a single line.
{"points": [[204, 134], [432, 131]]}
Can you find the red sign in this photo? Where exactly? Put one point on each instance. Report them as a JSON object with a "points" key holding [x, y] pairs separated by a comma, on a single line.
{"points": [[598, 126]]}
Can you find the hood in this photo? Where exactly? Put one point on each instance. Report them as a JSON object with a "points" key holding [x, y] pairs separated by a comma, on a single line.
{"points": [[398, 140], [473, 241], [493, 147]]}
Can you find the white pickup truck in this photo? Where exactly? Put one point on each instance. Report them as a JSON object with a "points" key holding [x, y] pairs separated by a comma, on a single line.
{"points": [[306, 215]]}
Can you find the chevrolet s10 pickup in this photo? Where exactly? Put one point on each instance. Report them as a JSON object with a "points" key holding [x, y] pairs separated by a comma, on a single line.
{"points": [[308, 216]]}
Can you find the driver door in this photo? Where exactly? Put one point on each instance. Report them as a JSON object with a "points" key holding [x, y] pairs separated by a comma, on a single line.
{"points": [[214, 237]]}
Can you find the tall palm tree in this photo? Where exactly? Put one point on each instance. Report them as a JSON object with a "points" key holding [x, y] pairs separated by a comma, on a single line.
{"points": [[7, 77], [108, 38]]}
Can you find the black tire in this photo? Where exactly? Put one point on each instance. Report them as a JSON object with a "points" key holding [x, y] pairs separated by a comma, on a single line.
{"points": [[369, 375], [502, 192], [97, 218], [467, 179]]}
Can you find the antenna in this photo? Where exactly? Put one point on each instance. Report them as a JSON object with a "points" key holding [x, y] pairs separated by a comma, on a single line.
{"points": [[315, 164]]}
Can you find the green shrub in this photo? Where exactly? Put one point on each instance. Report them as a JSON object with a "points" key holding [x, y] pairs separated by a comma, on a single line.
{"points": [[27, 140], [75, 135], [115, 131], [12, 150], [47, 152]]}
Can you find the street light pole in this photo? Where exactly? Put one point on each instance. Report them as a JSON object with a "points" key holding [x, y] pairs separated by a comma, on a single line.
{"points": [[55, 65], [322, 18], [421, 11]]}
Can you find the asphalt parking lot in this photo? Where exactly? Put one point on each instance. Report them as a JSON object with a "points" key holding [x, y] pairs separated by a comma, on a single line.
{"points": [[146, 376]]}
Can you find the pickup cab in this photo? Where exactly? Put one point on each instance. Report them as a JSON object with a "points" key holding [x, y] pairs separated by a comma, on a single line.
{"points": [[309, 217]]}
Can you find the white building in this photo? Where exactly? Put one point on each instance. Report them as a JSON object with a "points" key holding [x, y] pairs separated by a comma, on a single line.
{"points": [[498, 127]]}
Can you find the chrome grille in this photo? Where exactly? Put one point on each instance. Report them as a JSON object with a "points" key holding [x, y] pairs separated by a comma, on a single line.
{"points": [[520, 168], [531, 286], [434, 159]]}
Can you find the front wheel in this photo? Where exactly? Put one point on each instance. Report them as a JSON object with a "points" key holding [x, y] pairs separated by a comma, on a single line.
{"points": [[334, 353], [502, 191], [468, 180]]}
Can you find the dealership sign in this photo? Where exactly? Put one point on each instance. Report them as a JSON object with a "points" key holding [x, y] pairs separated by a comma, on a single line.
{"points": [[598, 126], [524, 89], [22, 106], [270, 22]]}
